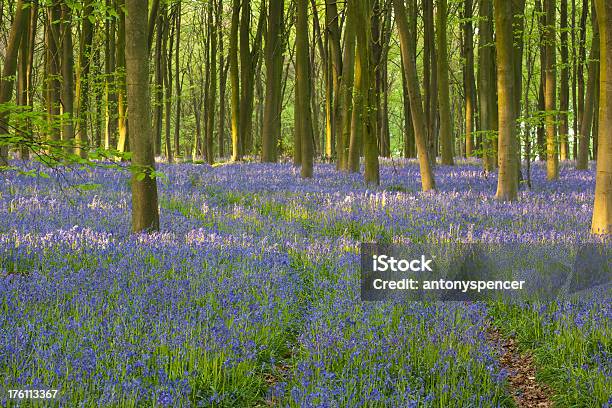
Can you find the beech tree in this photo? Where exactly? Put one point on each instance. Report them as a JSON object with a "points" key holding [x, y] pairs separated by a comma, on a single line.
{"points": [[507, 179], [602, 210], [145, 214]]}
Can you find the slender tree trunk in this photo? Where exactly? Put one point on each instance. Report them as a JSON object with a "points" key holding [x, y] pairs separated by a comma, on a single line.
{"points": [[274, 72], [346, 90], [602, 209], [335, 60], [109, 68], [416, 107], [302, 89], [469, 85], [507, 180], [122, 123], [18, 30], [235, 83], [564, 90], [550, 91], [430, 80], [53, 90], [145, 214], [246, 114], [582, 61], [574, 80], [177, 85], [67, 65], [167, 52], [368, 114], [588, 113], [212, 83], [487, 96], [24, 79], [446, 129], [159, 81], [82, 86]]}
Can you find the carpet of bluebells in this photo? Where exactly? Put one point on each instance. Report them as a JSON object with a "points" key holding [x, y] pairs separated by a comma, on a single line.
{"points": [[250, 294]]}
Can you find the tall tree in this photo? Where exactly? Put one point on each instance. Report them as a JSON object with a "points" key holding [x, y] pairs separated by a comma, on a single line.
{"points": [[8, 71], [53, 68], [588, 113], [446, 128], [487, 85], [274, 72], [82, 86], [602, 209], [507, 180], [468, 76], [235, 82], [363, 64], [346, 90], [122, 123], [550, 91], [564, 86], [145, 214], [302, 89], [416, 107]]}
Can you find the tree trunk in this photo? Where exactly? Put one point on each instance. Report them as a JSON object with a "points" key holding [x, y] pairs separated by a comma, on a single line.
{"points": [[24, 76], [235, 83], [177, 85], [550, 91], [588, 112], [82, 87], [346, 90], [507, 180], [109, 68], [446, 129], [602, 209], [167, 51], [430, 80], [469, 85], [8, 71], [368, 113], [302, 89], [122, 125], [212, 82], [145, 215], [54, 87], [486, 86], [416, 107], [274, 72], [564, 90], [335, 60]]}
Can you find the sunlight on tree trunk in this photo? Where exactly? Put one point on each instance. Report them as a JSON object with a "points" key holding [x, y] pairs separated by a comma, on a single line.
{"points": [[145, 214], [507, 180], [602, 210]]}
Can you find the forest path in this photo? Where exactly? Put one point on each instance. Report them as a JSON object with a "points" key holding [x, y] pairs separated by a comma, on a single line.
{"points": [[526, 391]]}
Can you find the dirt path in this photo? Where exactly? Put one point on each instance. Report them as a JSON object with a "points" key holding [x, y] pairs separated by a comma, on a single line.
{"points": [[525, 390]]}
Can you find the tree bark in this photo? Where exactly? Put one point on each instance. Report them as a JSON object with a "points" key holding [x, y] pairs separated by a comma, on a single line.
{"points": [[588, 112], [602, 209], [550, 92], [82, 90], [446, 129], [302, 89], [145, 214], [564, 86], [8, 71], [235, 83], [507, 180], [487, 95], [416, 107], [469, 82], [274, 72]]}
